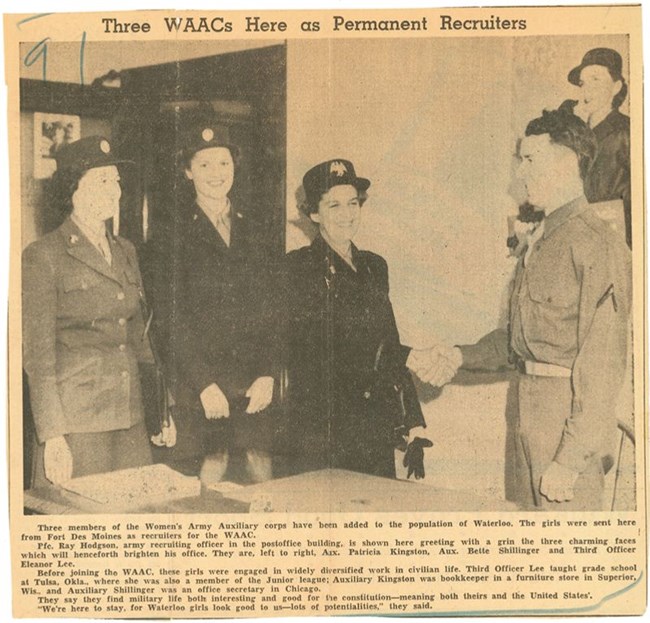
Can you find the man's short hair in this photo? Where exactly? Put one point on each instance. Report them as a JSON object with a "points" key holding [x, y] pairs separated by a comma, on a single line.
{"points": [[565, 128]]}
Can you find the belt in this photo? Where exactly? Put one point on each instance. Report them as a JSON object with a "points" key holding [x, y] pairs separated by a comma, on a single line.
{"points": [[539, 368]]}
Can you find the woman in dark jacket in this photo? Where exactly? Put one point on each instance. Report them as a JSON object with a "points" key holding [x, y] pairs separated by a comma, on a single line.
{"points": [[350, 396], [83, 328], [210, 298]]}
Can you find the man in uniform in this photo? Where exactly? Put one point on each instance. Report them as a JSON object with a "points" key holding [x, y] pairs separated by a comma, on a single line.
{"points": [[568, 328]]}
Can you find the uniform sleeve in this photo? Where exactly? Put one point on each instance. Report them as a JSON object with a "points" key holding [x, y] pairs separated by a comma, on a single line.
{"points": [[491, 352], [397, 356], [137, 336], [39, 311], [599, 368]]}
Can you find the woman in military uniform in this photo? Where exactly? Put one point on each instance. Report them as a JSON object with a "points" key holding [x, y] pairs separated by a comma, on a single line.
{"points": [[350, 394], [210, 296], [83, 329]]}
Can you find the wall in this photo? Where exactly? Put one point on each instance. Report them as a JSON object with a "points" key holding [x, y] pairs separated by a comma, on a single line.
{"points": [[33, 191]]}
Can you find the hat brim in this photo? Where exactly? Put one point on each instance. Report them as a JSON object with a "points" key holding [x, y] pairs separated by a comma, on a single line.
{"points": [[82, 167], [574, 74], [361, 184], [187, 153]]}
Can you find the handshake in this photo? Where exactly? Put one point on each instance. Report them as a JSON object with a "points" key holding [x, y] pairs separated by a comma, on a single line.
{"points": [[437, 365]]}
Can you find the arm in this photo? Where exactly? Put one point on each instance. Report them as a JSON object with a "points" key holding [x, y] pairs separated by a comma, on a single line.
{"points": [[598, 371], [491, 352], [137, 335], [39, 310]]}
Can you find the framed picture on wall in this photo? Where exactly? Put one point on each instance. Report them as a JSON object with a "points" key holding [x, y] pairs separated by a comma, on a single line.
{"points": [[51, 132]]}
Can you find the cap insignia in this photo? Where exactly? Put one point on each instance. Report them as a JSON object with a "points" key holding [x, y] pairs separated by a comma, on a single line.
{"points": [[104, 146], [338, 168], [207, 135]]}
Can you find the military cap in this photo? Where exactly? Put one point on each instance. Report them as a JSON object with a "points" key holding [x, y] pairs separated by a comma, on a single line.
{"points": [[606, 57], [87, 153], [197, 137], [326, 175]]}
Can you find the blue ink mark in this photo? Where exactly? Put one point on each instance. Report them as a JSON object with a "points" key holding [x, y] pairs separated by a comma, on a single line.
{"points": [[81, 58], [33, 17], [40, 49]]}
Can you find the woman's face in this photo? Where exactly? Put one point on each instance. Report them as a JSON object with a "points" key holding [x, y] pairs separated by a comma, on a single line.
{"points": [[597, 89], [338, 213], [98, 194], [213, 171]]}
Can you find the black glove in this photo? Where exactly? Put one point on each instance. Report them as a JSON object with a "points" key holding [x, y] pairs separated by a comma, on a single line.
{"points": [[414, 457]]}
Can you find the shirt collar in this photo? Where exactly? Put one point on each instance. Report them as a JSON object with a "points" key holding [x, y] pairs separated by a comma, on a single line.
{"points": [[333, 256], [96, 236], [560, 216]]}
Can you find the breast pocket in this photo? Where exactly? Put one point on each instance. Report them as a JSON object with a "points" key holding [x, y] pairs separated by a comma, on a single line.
{"points": [[552, 290], [80, 282]]}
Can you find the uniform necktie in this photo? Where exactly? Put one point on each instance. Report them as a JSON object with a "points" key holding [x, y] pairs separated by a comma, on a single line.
{"points": [[223, 226], [105, 249], [533, 236]]}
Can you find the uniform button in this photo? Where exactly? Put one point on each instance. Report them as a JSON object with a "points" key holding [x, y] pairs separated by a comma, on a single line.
{"points": [[125, 374], [122, 347], [366, 395], [121, 322], [120, 296]]}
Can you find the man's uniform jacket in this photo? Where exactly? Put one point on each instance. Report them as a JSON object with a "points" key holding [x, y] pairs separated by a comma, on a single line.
{"points": [[569, 307]]}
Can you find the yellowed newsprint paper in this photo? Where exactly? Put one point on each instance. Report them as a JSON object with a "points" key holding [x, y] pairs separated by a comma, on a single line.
{"points": [[334, 312]]}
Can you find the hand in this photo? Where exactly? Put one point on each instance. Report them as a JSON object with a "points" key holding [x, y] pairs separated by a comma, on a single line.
{"points": [[57, 460], [167, 435], [437, 365], [414, 457], [260, 394], [557, 483], [215, 404]]}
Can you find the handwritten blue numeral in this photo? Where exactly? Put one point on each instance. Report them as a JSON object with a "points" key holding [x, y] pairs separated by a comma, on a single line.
{"points": [[82, 49], [40, 49]]}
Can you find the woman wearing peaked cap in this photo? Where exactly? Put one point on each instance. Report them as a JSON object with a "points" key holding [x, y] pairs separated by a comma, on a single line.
{"points": [[210, 299], [348, 386], [83, 329], [602, 91]]}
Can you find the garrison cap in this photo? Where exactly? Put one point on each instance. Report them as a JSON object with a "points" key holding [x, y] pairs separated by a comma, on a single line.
{"points": [[197, 137], [87, 153], [606, 57], [326, 175]]}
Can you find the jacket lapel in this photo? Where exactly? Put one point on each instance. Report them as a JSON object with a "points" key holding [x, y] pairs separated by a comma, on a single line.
{"points": [[79, 247]]}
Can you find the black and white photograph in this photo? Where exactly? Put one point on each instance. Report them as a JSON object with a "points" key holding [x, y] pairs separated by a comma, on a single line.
{"points": [[354, 275]]}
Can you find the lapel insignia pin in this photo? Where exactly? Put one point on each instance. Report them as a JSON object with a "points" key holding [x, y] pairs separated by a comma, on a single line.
{"points": [[74, 239]]}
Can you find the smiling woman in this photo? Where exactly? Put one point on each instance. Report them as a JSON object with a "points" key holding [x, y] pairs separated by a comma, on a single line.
{"points": [[210, 293], [350, 394]]}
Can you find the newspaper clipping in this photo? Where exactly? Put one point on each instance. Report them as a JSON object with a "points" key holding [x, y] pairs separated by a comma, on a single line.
{"points": [[334, 312]]}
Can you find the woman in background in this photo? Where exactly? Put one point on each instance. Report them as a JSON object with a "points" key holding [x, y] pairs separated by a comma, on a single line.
{"points": [[83, 328]]}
